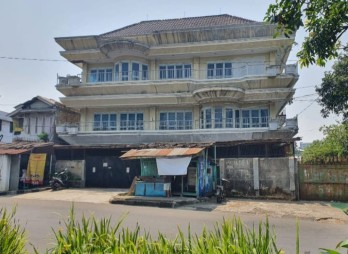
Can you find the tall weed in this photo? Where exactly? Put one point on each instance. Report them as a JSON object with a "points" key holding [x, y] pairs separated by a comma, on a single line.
{"points": [[12, 236]]}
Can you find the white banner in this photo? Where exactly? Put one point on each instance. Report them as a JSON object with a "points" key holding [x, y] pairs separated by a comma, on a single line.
{"points": [[173, 166]]}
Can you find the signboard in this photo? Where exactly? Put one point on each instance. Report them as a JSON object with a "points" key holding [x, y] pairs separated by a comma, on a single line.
{"points": [[36, 168]]}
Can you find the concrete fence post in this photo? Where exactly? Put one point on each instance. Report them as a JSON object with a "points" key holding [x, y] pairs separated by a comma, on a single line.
{"points": [[256, 176], [292, 186]]}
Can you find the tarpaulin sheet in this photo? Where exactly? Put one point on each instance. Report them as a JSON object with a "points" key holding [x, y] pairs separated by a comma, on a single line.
{"points": [[173, 166]]}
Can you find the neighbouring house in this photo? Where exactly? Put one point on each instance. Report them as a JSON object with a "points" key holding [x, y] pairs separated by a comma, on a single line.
{"points": [[36, 119], [6, 128], [25, 165], [217, 84]]}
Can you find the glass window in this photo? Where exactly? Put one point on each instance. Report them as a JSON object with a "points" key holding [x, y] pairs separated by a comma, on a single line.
{"points": [[117, 72], [179, 71], [218, 118], [125, 70], [163, 72], [108, 75], [210, 71], [255, 118], [131, 121], [219, 70], [135, 71], [208, 118], [140, 121], [237, 121], [187, 70], [264, 117], [163, 121], [170, 73], [245, 118], [145, 71], [228, 70], [229, 117], [97, 122], [93, 76], [188, 120], [104, 122]]}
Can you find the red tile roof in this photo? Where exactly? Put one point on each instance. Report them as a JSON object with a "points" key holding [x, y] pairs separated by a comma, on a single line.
{"points": [[151, 26]]}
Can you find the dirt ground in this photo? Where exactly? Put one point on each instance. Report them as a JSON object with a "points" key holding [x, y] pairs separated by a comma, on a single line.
{"points": [[318, 211]]}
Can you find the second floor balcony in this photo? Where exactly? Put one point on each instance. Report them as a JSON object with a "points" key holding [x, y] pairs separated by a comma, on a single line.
{"points": [[167, 73]]}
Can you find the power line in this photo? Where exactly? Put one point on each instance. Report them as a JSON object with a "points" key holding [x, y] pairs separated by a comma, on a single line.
{"points": [[32, 59], [306, 107]]}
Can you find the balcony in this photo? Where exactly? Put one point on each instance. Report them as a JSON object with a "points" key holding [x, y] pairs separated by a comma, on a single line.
{"points": [[142, 132], [235, 73]]}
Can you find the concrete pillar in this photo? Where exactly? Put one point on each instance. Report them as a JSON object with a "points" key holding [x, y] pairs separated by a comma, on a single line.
{"points": [[256, 176], [196, 68], [153, 70], [222, 168], [152, 119], [292, 173], [196, 115], [84, 74]]}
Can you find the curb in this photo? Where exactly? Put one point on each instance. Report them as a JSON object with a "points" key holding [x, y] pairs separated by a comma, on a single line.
{"points": [[17, 192]]}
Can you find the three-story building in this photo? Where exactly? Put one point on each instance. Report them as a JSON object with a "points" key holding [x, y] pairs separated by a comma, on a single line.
{"points": [[220, 80]]}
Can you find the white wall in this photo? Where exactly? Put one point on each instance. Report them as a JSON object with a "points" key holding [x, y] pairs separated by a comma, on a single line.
{"points": [[5, 132], [5, 167]]}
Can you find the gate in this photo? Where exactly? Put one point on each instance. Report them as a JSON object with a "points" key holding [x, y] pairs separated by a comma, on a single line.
{"points": [[323, 182]]}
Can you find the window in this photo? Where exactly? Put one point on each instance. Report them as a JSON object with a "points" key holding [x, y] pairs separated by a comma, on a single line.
{"points": [[104, 122], [227, 117], [100, 75], [0, 125], [255, 118], [181, 120], [219, 70], [175, 71], [11, 127], [125, 71], [132, 121]]}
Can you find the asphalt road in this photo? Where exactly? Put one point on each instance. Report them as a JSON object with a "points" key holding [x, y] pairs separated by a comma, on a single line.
{"points": [[40, 216]]}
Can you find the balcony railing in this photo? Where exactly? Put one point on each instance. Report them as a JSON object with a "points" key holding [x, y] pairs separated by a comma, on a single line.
{"points": [[165, 125], [237, 71]]}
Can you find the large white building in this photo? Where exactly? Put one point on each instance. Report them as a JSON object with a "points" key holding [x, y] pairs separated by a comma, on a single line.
{"points": [[215, 81]]}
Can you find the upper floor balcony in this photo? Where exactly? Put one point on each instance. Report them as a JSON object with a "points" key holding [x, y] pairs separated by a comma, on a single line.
{"points": [[215, 72], [182, 131]]}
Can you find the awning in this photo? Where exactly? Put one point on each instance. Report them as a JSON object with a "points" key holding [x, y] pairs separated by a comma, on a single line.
{"points": [[13, 151], [161, 153]]}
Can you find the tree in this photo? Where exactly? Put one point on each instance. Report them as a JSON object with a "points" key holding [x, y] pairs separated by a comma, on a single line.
{"points": [[333, 92], [325, 21], [335, 144]]}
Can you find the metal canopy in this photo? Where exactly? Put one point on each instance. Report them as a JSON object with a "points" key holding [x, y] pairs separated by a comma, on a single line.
{"points": [[161, 153]]}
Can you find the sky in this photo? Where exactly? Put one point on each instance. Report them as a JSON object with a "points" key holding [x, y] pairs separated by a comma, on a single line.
{"points": [[28, 29]]}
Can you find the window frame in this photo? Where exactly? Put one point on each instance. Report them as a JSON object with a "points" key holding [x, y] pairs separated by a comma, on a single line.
{"points": [[219, 73], [105, 125], [100, 75], [130, 74], [175, 120], [175, 71]]}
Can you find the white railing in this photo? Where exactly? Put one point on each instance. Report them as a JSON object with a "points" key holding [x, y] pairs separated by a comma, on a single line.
{"points": [[165, 125], [237, 71]]}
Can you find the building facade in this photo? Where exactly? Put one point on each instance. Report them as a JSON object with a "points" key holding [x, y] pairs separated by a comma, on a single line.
{"points": [[6, 128], [219, 80], [38, 117]]}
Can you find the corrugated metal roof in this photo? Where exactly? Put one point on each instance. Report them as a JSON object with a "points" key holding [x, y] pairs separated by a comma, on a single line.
{"points": [[155, 153], [12, 151]]}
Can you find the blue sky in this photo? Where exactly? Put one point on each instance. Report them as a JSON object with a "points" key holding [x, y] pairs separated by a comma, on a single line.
{"points": [[28, 29]]}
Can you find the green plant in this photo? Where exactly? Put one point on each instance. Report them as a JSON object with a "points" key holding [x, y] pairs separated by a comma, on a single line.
{"points": [[43, 136], [12, 236], [99, 236], [342, 244]]}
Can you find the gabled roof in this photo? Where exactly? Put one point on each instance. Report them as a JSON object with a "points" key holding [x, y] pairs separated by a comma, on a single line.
{"points": [[4, 117], [45, 100], [152, 26]]}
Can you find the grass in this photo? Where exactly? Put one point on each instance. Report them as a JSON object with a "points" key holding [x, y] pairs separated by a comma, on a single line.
{"points": [[340, 205], [12, 236], [99, 236]]}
